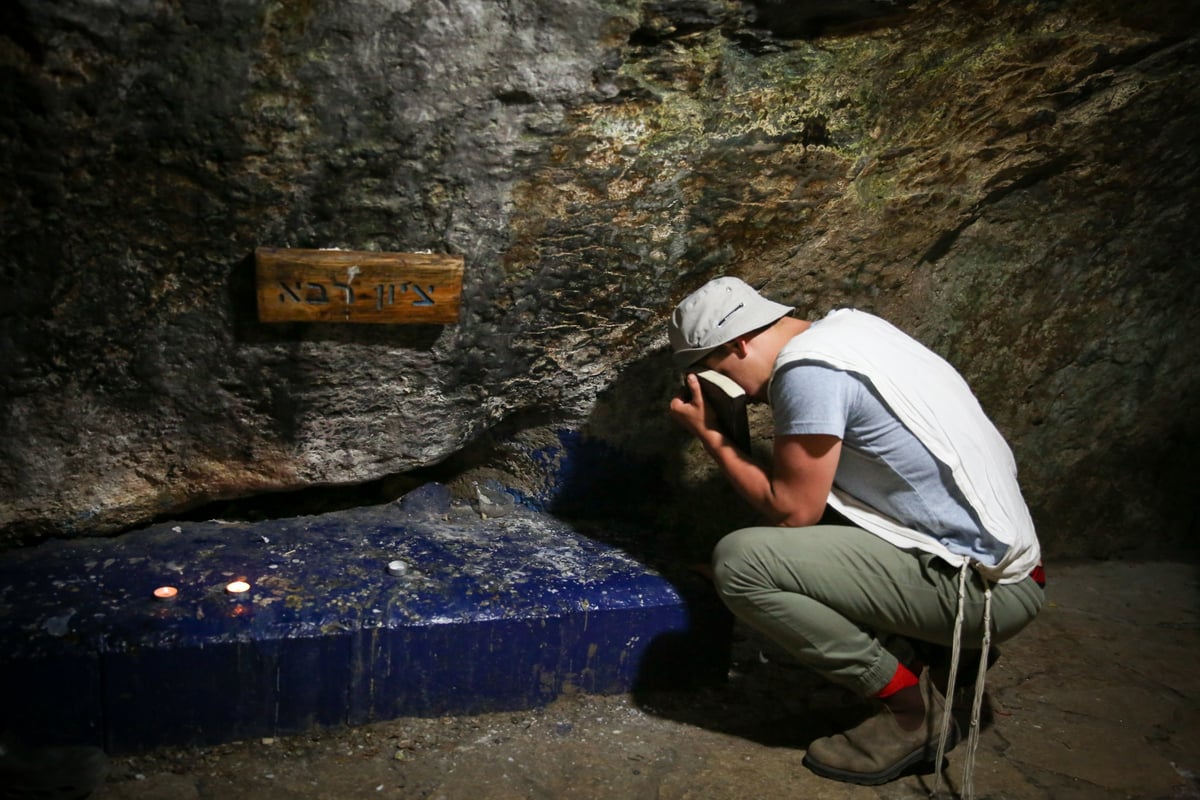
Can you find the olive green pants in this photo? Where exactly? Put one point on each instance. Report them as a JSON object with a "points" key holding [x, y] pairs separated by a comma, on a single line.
{"points": [[831, 595]]}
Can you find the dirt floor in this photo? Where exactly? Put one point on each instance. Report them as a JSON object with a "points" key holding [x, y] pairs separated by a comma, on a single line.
{"points": [[1098, 699]]}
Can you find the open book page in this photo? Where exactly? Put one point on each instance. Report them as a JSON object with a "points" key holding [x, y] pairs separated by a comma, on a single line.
{"points": [[729, 401]]}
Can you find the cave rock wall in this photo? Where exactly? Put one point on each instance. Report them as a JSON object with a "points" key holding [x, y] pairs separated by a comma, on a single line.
{"points": [[1012, 183]]}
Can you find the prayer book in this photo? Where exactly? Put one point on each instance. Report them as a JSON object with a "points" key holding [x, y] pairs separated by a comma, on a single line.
{"points": [[729, 401]]}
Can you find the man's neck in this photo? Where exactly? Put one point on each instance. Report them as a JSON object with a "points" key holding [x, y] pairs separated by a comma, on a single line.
{"points": [[769, 343], [787, 329]]}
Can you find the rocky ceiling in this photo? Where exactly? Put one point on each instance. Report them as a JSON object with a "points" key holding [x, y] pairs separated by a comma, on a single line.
{"points": [[1013, 183]]}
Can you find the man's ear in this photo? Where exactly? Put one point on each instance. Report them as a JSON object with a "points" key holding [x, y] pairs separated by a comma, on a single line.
{"points": [[739, 346]]}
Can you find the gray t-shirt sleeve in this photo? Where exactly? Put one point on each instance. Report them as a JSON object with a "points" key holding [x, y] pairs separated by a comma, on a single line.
{"points": [[808, 398]]}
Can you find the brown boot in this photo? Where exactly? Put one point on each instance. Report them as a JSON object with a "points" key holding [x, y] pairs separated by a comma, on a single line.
{"points": [[879, 750]]}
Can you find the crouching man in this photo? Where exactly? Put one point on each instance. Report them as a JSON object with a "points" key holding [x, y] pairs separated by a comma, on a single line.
{"points": [[940, 548]]}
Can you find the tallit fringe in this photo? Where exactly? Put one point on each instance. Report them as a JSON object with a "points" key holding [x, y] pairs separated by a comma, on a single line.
{"points": [[968, 779]]}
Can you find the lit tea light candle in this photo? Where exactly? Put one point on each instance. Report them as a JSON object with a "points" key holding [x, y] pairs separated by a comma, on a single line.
{"points": [[165, 592], [237, 587]]}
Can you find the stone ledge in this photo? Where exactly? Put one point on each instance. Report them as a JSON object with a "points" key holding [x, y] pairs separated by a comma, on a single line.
{"points": [[488, 614]]}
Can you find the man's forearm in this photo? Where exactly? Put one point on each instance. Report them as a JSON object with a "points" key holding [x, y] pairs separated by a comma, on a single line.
{"points": [[796, 502], [747, 477]]}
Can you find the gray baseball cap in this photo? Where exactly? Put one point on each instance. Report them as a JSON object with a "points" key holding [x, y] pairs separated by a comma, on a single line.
{"points": [[718, 312]]}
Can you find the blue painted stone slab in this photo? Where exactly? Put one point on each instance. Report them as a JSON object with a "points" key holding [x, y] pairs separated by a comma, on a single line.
{"points": [[488, 614]]}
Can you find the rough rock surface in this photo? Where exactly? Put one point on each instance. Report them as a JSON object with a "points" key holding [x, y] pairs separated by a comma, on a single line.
{"points": [[1010, 182]]}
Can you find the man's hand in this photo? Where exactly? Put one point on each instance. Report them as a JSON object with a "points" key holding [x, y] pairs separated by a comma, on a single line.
{"points": [[692, 412]]}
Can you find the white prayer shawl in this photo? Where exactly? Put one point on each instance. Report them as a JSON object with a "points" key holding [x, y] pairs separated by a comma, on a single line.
{"points": [[945, 416]]}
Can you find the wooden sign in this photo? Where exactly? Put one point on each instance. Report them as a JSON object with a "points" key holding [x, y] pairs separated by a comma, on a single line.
{"points": [[357, 286]]}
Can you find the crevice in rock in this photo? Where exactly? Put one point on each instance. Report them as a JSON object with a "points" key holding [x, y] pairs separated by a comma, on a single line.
{"points": [[806, 19], [544, 458], [1043, 172], [672, 21]]}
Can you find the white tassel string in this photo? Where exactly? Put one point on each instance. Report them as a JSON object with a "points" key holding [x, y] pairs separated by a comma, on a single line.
{"points": [[968, 779], [955, 653]]}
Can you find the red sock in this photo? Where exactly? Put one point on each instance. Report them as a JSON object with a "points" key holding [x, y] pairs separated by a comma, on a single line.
{"points": [[903, 679]]}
